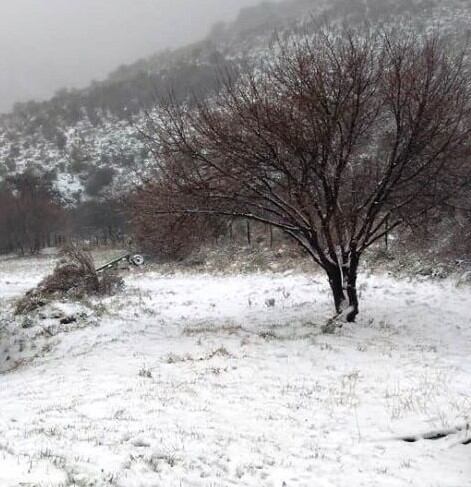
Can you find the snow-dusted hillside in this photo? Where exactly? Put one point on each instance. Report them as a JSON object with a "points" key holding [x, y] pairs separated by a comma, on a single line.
{"points": [[203, 380], [78, 133]]}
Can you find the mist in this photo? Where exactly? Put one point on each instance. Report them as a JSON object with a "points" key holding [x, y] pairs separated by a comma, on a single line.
{"points": [[50, 44]]}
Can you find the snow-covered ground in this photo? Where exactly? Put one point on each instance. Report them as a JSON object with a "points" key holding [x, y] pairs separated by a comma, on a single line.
{"points": [[200, 380]]}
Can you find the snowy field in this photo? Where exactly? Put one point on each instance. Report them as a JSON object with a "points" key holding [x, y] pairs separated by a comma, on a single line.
{"points": [[198, 380]]}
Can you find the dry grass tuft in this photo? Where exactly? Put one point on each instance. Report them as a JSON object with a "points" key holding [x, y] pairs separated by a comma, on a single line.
{"points": [[74, 277]]}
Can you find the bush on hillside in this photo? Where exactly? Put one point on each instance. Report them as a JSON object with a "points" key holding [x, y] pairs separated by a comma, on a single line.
{"points": [[74, 277]]}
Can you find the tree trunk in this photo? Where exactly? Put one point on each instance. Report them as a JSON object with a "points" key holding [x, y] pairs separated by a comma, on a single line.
{"points": [[350, 280], [343, 283], [249, 233], [336, 285], [386, 235]]}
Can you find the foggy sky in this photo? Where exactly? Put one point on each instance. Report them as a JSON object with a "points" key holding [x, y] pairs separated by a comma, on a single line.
{"points": [[49, 44]]}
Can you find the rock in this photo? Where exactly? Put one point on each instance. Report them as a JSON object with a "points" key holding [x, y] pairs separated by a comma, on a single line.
{"points": [[68, 320], [28, 322]]}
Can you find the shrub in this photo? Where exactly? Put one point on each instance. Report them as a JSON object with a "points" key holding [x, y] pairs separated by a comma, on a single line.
{"points": [[74, 277], [98, 180]]}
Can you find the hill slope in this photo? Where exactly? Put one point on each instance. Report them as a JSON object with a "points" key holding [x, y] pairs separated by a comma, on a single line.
{"points": [[87, 139]]}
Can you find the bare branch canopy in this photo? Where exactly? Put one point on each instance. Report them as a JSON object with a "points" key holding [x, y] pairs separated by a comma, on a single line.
{"points": [[335, 138]]}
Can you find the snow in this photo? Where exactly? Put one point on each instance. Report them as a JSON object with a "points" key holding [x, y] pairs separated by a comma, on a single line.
{"points": [[19, 275], [204, 380]]}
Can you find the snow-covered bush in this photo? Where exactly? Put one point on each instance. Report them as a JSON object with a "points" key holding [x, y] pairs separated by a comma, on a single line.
{"points": [[75, 276]]}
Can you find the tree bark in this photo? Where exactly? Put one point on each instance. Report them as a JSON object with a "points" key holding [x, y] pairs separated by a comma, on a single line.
{"points": [[249, 232], [350, 279], [336, 285], [343, 283]]}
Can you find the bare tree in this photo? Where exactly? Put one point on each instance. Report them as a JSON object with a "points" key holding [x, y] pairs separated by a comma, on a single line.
{"points": [[338, 138], [30, 213], [171, 236]]}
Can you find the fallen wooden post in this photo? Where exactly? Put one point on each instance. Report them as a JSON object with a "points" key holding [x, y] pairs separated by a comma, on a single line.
{"points": [[134, 259]]}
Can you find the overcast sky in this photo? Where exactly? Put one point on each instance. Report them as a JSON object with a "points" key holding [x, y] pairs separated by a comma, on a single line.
{"points": [[49, 44]]}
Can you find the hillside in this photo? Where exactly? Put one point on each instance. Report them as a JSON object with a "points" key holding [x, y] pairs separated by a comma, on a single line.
{"points": [[87, 140]]}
